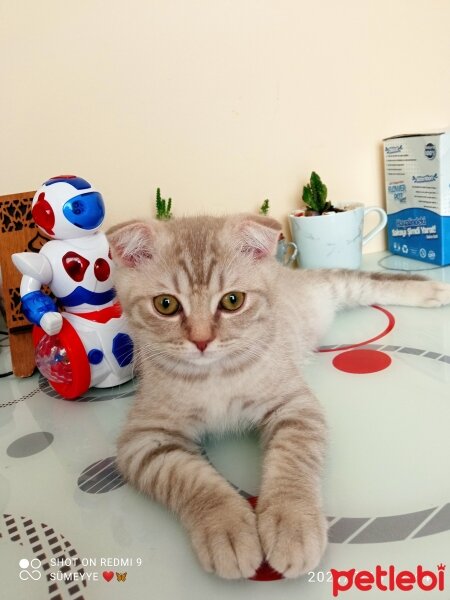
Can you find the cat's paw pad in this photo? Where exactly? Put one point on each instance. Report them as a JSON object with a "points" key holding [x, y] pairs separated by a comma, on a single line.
{"points": [[227, 542], [293, 542]]}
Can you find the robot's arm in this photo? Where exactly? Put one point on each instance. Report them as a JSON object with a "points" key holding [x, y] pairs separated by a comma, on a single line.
{"points": [[35, 266], [37, 306]]}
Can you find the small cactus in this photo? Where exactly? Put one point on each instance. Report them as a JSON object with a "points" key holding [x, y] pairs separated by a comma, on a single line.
{"points": [[163, 207], [264, 208]]}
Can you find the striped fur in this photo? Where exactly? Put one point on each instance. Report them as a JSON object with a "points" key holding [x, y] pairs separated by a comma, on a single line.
{"points": [[250, 374]]}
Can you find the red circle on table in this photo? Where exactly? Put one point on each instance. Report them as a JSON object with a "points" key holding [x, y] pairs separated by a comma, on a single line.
{"points": [[361, 362]]}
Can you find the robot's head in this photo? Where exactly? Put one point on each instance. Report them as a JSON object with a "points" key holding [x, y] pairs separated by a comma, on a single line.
{"points": [[67, 207]]}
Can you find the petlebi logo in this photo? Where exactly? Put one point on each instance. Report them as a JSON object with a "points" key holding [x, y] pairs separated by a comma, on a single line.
{"points": [[29, 569], [388, 580], [424, 178], [394, 149]]}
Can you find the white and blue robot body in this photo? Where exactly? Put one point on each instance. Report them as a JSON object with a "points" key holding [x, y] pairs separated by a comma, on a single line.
{"points": [[82, 272], [84, 288], [87, 344]]}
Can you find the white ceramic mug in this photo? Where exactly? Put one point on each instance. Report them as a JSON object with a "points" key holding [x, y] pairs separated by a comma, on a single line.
{"points": [[334, 240], [286, 252]]}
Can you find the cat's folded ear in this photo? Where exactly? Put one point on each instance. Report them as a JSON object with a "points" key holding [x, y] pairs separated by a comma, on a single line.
{"points": [[258, 235], [132, 243]]}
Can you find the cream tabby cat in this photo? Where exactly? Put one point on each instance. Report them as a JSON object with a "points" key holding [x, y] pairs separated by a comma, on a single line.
{"points": [[221, 331]]}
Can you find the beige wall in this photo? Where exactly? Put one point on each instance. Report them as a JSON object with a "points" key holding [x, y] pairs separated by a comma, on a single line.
{"points": [[220, 103]]}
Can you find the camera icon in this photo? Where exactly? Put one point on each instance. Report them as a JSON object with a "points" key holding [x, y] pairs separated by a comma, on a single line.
{"points": [[30, 569]]}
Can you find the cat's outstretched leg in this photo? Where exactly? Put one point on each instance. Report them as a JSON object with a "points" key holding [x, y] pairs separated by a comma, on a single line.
{"points": [[166, 464], [291, 523], [353, 288]]}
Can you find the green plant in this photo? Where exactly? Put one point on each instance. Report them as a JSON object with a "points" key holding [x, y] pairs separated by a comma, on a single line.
{"points": [[264, 208], [163, 207], [315, 196]]}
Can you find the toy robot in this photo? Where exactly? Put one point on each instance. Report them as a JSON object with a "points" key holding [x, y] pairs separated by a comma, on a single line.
{"points": [[86, 345]]}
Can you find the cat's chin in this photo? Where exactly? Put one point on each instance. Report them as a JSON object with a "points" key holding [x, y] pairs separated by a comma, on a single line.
{"points": [[208, 362], [199, 359]]}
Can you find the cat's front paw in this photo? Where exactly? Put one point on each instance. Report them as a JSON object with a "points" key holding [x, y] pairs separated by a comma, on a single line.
{"points": [[226, 540], [293, 539]]}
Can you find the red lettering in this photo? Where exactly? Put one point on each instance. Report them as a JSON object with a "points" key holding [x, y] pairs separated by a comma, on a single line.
{"points": [[441, 575], [379, 574], [405, 581], [364, 580], [391, 570], [336, 575], [421, 575], [388, 579]]}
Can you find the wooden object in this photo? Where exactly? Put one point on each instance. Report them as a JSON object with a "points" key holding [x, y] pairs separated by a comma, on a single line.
{"points": [[18, 233]]}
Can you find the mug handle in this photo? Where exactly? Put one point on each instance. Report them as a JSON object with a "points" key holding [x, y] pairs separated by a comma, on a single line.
{"points": [[293, 256], [377, 228]]}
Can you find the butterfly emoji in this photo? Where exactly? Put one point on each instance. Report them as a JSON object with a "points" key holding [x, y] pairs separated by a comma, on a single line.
{"points": [[121, 576]]}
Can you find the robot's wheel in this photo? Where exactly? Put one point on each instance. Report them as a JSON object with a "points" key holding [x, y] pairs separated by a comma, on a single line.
{"points": [[62, 360]]}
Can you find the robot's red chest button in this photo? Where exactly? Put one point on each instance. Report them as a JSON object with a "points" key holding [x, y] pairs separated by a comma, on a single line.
{"points": [[75, 265], [101, 269]]}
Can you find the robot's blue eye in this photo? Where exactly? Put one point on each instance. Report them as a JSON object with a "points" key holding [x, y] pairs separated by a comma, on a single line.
{"points": [[85, 211]]}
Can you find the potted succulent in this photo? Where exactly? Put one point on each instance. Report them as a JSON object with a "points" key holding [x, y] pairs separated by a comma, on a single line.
{"points": [[315, 195], [163, 207], [330, 236]]}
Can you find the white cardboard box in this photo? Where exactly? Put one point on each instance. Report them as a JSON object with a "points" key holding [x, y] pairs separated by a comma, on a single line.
{"points": [[417, 175]]}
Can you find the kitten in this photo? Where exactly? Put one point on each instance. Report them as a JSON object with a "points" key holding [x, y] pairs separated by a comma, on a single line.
{"points": [[221, 331]]}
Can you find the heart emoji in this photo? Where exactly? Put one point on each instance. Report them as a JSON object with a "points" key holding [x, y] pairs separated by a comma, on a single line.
{"points": [[108, 575]]}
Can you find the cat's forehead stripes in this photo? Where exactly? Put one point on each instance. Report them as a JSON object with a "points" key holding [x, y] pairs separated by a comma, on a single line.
{"points": [[210, 270], [187, 271], [197, 253], [200, 275]]}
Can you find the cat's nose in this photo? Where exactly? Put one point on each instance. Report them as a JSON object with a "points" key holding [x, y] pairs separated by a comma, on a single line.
{"points": [[202, 344]]}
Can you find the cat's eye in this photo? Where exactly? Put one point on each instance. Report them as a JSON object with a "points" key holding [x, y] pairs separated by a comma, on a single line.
{"points": [[232, 301], [166, 304]]}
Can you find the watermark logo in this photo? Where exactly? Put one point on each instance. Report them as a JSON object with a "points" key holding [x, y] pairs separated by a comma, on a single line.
{"points": [[424, 178], [388, 580], [394, 149], [29, 569]]}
